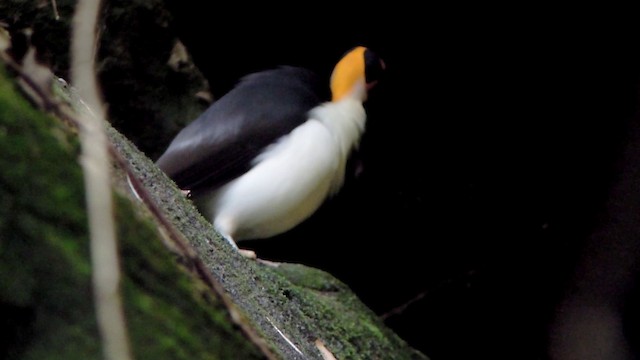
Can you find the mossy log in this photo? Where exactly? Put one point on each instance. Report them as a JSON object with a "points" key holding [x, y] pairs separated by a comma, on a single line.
{"points": [[46, 300]]}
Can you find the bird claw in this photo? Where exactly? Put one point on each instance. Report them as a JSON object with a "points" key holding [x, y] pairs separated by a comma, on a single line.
{"points": [[249, 254]]}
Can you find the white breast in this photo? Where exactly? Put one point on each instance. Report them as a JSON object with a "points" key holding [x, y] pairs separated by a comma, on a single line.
{"points": [[291, 178]]}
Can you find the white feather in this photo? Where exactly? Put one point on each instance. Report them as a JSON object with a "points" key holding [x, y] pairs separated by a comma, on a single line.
{"points": [[291, 178]]}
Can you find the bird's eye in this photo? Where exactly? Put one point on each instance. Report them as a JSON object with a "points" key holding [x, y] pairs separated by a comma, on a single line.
{"points": [[374, 67]]}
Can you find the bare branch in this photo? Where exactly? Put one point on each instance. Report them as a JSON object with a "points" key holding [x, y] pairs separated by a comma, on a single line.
{"points": [[95, 161], [401, 308]]}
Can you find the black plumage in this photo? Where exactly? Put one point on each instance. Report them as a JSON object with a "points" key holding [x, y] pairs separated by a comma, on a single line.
{"points": [[221, 143]]}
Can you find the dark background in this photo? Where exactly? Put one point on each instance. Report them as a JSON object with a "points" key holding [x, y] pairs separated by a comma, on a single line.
{"points": [[489, 153]]}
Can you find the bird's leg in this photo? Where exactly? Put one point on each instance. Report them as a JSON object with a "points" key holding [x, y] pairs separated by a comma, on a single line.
{"points": [[250, 254]]}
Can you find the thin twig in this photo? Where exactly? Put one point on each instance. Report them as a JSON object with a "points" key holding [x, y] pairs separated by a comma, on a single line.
{"points": [[54, 5], [95, 161], [401, 308]]}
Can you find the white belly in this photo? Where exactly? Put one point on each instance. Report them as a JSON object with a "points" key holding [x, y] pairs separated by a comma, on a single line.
{"points": [[290, 180]]}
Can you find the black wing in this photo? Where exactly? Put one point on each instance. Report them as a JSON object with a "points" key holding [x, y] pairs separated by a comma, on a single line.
{"points": [[221, 143]]}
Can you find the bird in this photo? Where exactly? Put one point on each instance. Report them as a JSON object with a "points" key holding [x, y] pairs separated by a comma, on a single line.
{"points": [[267, 154]]}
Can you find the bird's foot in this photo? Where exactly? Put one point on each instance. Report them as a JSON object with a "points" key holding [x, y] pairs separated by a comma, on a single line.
{"points": [[249, 254]]}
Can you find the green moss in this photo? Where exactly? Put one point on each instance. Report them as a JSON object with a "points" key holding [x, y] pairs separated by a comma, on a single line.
{"points": [[310, 278], [337, 316], [45, 273], [171, 315], [303, 303], [45, 288], [45, 278]]}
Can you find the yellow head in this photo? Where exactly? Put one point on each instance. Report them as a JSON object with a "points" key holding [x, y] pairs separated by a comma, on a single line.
{"points": [[356, 73]]}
